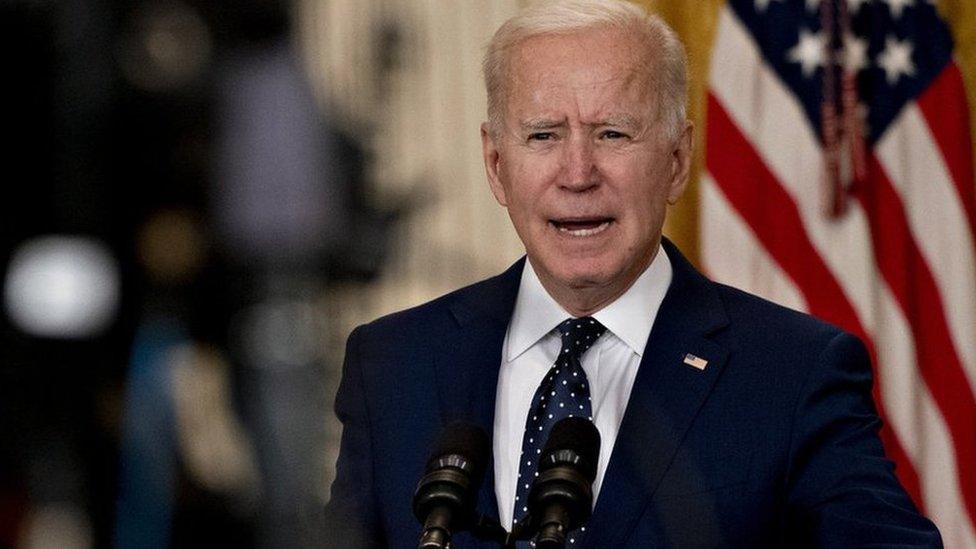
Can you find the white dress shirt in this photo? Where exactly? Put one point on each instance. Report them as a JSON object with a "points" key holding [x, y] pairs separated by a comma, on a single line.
{"points": [[531, 347]]}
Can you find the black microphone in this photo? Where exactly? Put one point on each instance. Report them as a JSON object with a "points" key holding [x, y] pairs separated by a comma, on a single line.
{"points": [[561, 498], [445, 498]]}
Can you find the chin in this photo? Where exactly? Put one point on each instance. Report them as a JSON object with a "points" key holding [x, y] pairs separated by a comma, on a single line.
{"points": [[580, 268], [582, 275]]}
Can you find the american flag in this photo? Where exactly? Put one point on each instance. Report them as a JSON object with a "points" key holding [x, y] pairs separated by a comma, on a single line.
{"points": [[839, 181]]}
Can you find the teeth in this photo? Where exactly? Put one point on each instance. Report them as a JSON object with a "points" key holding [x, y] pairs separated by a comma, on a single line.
{"points": [[586, 232]]}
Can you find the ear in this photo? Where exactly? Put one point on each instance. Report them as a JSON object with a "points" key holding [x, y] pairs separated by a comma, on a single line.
{"points": [[681, 163], [490, 152]]}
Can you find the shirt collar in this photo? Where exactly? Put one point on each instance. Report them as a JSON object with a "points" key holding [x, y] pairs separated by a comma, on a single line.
{"points": [[630, 317], [536, 314]]}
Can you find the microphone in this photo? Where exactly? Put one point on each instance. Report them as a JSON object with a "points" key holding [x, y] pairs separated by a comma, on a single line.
{"points": [[444, 501], [561, 498]]}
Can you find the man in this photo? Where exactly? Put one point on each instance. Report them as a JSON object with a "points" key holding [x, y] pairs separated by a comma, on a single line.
{"points": [[725, 420]]}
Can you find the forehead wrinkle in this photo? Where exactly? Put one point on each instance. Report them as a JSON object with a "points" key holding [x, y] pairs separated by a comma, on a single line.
{"points": [[631, 90], [631, 75]]}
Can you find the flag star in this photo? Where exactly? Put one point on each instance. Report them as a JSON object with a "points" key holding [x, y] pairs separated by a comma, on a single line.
{"points": [[761, 5], [808, 52], [896, 60], [855, 53], [897, 6]]}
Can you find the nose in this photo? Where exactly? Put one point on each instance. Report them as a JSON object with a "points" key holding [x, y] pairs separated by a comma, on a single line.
{"points": [[579, 166]]}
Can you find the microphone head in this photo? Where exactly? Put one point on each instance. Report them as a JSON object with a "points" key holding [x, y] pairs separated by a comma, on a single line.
{"points": [[561, 497], [467, 440], [575, 441], [444, 501]]}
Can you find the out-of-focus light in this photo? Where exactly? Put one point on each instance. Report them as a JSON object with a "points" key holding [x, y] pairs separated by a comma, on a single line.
{"points": [[280, 333], [62, 287], [167, 46], [170, 246], [214, 443], [61, 526]]}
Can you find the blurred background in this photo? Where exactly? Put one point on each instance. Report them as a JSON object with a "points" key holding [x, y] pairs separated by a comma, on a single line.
{"points": [[203, 198]]}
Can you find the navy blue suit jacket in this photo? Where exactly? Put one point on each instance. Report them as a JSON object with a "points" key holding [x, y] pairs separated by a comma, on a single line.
{"points": [[773, 444]]}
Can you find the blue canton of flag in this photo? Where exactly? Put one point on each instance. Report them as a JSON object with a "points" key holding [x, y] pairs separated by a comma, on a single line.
{"points": [[895, 47]]}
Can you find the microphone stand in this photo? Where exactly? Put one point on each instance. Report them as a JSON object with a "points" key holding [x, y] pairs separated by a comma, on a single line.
{"points": [[489, 529], [522, 531]]}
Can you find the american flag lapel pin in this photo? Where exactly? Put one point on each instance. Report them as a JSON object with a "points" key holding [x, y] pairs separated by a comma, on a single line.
{"points": [[695, 362]]}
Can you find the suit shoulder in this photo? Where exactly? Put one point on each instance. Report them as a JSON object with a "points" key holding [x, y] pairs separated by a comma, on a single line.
{"points": [[763, 319], [437, 316], [784, 347]]}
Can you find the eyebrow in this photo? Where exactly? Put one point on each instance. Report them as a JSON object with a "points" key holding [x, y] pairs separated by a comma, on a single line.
{"points": [[542, 124], [625, 120]]}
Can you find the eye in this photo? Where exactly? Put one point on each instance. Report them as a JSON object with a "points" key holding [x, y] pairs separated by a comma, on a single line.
{"points": [[542, 136], [613, 134]]}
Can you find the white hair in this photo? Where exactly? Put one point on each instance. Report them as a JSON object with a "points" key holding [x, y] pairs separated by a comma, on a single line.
{"points": [[570, 16]]}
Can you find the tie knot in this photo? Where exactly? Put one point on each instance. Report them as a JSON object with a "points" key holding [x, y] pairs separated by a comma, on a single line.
{"points": [[580, 333]]}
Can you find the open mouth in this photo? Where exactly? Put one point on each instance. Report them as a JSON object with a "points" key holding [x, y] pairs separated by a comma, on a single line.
{"points": [[587, 226]]}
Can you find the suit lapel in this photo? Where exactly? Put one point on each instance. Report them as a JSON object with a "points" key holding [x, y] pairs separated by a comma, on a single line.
{"points": [[468, 359], [666, 396]]}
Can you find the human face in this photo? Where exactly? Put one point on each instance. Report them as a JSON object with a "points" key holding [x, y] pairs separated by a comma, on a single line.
{"points": [[583, 164]]}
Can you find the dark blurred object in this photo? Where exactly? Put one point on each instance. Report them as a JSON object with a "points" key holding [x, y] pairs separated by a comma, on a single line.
{"points": [[281, 209], [280, 203], [113, 126], [61, 345]]}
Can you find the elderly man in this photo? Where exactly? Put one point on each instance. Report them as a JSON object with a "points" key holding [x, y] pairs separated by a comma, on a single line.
{"points": [[725, 420]]}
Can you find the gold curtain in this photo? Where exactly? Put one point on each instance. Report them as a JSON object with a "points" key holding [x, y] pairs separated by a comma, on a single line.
{"points": [[695, 24], [961, 16]]}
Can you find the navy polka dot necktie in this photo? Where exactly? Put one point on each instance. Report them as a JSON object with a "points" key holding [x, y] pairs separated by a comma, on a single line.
{"points": [[564, 392]]}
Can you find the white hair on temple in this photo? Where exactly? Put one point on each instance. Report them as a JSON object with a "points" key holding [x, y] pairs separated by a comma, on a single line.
{"points": [[569, 16]]}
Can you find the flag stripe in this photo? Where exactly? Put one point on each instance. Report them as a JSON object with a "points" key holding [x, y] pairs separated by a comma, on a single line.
{"points": [[938, 224], [751, 188], [945, 505], [947, 94], [731, 251], [911, 282], [909, 402]]}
